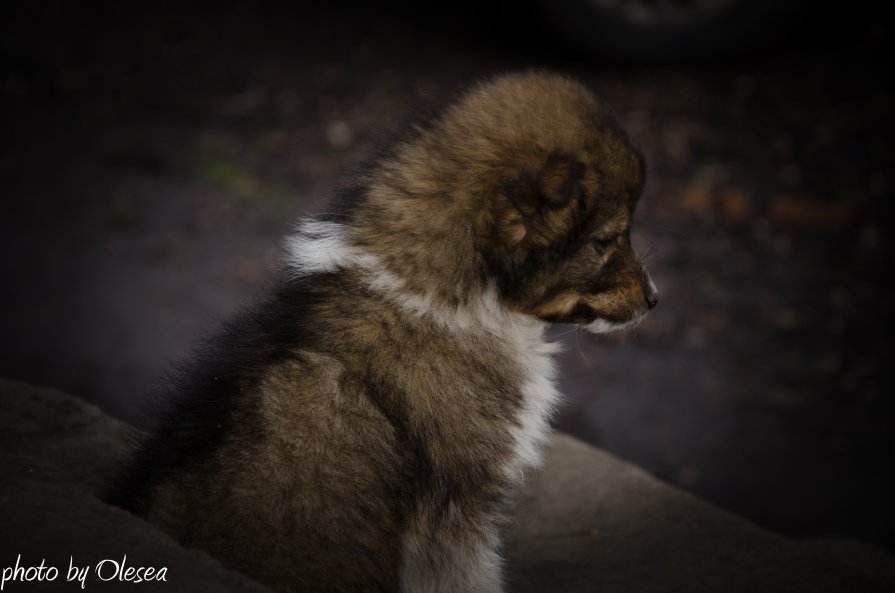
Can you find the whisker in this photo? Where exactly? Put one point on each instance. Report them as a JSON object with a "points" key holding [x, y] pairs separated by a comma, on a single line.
{"points": [[578, 343], [567, 332], [646, 251]]}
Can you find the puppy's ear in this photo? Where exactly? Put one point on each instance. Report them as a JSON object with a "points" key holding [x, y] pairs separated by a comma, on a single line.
{"points": [[539, 202]]}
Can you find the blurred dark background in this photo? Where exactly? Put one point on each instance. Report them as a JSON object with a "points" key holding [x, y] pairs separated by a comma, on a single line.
{"points": [[153, 156]]}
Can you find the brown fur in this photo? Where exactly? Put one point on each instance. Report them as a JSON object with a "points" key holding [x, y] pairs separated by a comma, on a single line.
{"points": [[364, 437]]}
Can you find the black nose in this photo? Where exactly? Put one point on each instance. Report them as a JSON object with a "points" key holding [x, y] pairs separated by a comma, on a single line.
{"points": [[652, 299]]}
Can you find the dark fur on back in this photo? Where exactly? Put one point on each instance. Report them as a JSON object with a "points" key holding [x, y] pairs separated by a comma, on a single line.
{"points": [[201, 401]]}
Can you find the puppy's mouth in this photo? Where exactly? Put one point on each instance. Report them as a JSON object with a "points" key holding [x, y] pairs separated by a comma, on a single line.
{"points": [[594, 322], [606, 326]]}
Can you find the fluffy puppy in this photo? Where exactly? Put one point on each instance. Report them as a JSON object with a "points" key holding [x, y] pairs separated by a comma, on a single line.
{"points": [[363, 429]]}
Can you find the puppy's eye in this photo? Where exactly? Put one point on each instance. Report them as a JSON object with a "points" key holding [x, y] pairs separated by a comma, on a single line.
{"points": [[603, 244]]}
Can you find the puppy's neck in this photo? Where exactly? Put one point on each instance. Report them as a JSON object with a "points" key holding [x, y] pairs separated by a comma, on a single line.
{"points": [[454, 302]]}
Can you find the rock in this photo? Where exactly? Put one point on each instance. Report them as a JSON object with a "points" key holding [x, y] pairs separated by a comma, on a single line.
{"points": [[54, 452], [586, 522], [590, 522], [869, 560], [58, 436]]}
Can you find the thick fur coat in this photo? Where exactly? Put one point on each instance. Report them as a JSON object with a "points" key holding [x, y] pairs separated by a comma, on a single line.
{"points": [[365, 427]]}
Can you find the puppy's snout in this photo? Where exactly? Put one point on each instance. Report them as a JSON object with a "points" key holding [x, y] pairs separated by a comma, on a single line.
{"points": [[651, 294]]}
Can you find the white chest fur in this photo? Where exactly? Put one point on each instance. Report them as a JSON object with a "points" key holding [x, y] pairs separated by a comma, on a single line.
{"points": [[534, 357]]}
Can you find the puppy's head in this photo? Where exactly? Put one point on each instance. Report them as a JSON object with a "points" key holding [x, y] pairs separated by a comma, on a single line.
{"points": [[555, 225]]}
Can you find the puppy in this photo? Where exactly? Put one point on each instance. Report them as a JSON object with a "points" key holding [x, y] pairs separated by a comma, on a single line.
{"points": [[364, 428]]}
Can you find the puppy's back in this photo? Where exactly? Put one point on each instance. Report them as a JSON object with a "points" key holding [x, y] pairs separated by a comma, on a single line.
{"points": [[265, 439]]}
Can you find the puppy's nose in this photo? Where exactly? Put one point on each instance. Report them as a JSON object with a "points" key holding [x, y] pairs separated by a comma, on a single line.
{"points": [[652, 298]]}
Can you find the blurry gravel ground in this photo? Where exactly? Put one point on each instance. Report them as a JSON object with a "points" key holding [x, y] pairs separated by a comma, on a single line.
{"points": [[151, 162]]}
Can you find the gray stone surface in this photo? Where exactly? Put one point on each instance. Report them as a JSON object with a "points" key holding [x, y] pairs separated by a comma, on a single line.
{"points": [[587, 522], [54, 453], [590, 522]]}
